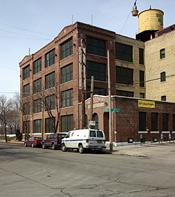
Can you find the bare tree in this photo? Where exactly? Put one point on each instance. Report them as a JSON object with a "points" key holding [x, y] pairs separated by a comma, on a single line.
{"points": [[49, 104], [14, 122], [6, 107]]}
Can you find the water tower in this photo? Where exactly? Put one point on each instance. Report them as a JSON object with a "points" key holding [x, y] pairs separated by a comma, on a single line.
{"points": [[150, 21]]}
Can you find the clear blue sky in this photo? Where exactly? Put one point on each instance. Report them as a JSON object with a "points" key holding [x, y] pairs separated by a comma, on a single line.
{"points": [[32, 24]]}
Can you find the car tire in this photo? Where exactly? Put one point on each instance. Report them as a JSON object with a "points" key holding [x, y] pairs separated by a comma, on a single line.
{"points": [[63, 148], [25, 144], [43, 146], [81, 149], [32, 145], [53, 147]]}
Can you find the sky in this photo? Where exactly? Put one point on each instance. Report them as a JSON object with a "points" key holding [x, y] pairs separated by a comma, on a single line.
{"points": [[32, 24]]}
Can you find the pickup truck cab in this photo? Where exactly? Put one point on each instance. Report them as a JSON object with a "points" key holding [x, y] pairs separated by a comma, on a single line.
{"points": [[84, 139]]}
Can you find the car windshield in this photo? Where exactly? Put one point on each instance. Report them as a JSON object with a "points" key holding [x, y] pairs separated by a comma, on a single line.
{"points": [[99, 134]]}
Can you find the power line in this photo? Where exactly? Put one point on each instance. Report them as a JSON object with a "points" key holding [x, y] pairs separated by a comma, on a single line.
{"points": [[18, 33], [25, 38], [26, 30]]}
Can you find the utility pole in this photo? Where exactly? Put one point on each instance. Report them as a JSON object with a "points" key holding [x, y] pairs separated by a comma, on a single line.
{"points": [[109, 96], [91, 101], [82, 88], [42, 127]]}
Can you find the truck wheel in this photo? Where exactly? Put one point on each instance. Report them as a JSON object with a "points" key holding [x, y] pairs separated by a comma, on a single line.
{"points": [[81, 149], [63, 148], [53, 147], [43, 146]]}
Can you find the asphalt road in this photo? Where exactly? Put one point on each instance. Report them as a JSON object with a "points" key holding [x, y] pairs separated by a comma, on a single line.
{"points": [[44, 172]]}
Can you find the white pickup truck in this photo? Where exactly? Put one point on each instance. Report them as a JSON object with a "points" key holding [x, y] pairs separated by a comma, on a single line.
{"points": [[84, 139]]}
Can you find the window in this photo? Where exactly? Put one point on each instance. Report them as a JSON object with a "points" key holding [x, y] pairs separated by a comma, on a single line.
{"points": [[142, 121], [26, 127], [162, 53], [26, 90], [92, 133], [142, 78], [124, 75], [163, 76], [50, 102], [50, 58], [37, 66], [95, 118], [37, 85], [154, 121], [26, 108], [67, 73], [26, 72], [66, 49], [37, 126], [98, 70], [124, 93], [123, 52], [50, 80], [142, 95], [49, 125], [141, 56], [99, 133], [67, 98], [99, 91], [163, 98], [37, 106], [173, 122], [96, 46], [67, 123], [165, 122]]}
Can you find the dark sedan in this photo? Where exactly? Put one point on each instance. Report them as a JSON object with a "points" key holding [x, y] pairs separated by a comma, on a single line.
{"points": [[33, 142]]}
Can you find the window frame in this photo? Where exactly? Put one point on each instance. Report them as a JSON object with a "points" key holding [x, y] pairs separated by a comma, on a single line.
{"points": [[67, 73], [67, 98], [162, 53], [124, 75], [37, 126], [50, 58], [26, 90], [37, 85], [96, 46], [142, 121], [50, 79], [37, 106], [37, 66], [67, 123], [66, 48], [96, 69], [26, 72], [123, 52]]}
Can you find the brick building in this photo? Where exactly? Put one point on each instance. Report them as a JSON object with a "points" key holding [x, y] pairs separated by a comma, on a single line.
{"points": [[160, 63], [137, 118], [50, 78]]}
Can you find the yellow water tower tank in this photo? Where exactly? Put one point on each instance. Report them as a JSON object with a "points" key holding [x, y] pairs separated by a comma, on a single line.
{"points": [[151, 19]]}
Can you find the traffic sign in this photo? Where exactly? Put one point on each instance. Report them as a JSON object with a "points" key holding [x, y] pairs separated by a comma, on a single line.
{"points": [[113, 110]]}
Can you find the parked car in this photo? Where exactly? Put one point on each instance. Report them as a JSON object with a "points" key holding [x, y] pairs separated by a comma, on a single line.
{"points": [[33, 142], [84, 139], [53, 140]]}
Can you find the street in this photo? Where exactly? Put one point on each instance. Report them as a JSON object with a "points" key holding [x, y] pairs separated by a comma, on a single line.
{"points": [[44, 172]]}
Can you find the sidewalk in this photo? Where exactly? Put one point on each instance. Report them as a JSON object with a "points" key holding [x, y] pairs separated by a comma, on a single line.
{"points": [[145, 150]]}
